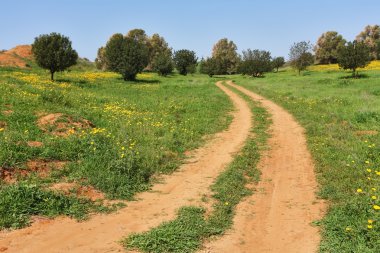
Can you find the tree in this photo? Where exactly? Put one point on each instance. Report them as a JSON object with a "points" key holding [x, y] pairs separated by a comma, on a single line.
{"points": [[226, 57], [354, 55], [371, 37], [256, 62], [300, 56], [54, 52], [185, 61], [326, 50], [208, 67], [278, 62], [100, 61], [127, 55], [157, 46], [162, 63]]}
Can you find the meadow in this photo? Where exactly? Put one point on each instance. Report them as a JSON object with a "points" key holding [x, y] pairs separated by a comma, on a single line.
{"points": [[67, 145], [341, 116], [110, 139]]}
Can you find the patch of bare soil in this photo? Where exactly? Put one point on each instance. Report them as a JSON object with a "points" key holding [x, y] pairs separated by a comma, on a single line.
{"points": [[366, 132], [62, 125], [87, 191], [43, 168], [186, 186], [3, 124], [34, 144], [10, 175], [278, 217]]}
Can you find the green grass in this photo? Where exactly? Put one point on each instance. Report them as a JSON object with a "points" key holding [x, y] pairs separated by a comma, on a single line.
{"points": [[187, 232], [333, 110], [141, 129]]}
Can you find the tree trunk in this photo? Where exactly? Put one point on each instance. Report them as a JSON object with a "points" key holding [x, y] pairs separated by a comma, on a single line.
{"points": [[52, 75], [354, 73]]}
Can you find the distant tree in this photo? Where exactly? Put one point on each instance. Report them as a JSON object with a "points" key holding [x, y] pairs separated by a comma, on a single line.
{"points": [[326, 50], [209, 67], [226, 57], [256, 63], [162, 63], [354, 55], [278, 62], [100, 61], [157, 46], [185, 61], [300, 56], [54, 52], [371, 37], [127, 55]]}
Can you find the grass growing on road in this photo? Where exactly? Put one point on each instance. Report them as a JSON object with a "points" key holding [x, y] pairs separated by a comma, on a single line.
{"points": [[187, 232], [111, 135], [342, 121]]}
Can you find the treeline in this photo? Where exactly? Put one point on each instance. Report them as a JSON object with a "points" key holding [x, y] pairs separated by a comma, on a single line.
{"points": [[135, 52]]}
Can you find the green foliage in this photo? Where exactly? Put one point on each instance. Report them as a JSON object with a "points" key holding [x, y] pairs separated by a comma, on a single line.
{"points": [[54, 52], [158, 47], [209, 67], [326, 50], [185, 60], [354, 55], [256, 63], [225, 56], [278, 62], [19, 202], [163, 63], [300, 56], [127, 55]]}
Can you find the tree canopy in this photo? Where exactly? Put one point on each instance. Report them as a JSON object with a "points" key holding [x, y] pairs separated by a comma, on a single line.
{"points": [[300, 56], [371, 37], [354, 55], [256, 62], [326, 50], [225, 56], [185, 61], [54, 52]]}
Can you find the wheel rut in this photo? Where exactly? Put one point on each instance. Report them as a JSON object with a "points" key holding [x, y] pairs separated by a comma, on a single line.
{"points": [[278, 216], [101, 233]]}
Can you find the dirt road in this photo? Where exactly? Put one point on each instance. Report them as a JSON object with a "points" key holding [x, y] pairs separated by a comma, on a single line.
{"points": [[278, 217], [102, 232]]}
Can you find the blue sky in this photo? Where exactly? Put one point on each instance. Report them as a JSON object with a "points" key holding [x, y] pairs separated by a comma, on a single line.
{"points": [[196, 25]]}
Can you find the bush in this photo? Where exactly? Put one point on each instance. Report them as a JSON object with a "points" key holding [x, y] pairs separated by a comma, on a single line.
{"points": [[209, 67], [256, 63], [163, 63], [278, 62], [185, 61]]}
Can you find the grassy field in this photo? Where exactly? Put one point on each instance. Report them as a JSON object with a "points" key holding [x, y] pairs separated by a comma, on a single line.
{"points": [[342, 120], [98, 132]]}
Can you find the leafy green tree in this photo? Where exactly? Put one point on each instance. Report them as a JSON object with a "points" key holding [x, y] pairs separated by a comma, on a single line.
{"points": [[162, 63], [371, 37], [354, 55], [209, 67], [300, 56], [127, 55], [256, 62], [185, 61], [326, 50], [100, 61], [54, 52], [278, 62], [226, 57]]}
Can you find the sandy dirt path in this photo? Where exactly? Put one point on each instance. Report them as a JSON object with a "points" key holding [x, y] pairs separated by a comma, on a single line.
{"points": [[278, 217], [102, 232]]}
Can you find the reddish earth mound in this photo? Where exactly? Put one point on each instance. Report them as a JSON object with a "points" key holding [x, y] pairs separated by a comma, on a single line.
{"points": [[16, 57], [41, 167], [81, 191], [62, 125]]}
